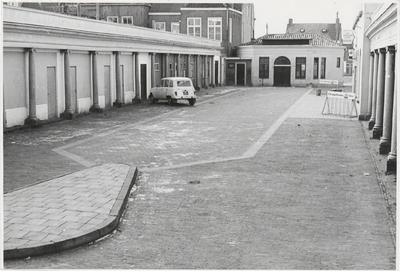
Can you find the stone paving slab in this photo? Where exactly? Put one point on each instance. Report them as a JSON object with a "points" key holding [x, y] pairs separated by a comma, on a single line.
{"points": [[67, 211]]}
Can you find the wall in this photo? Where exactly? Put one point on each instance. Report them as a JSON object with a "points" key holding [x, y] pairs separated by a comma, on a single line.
{"points": [[273, 52]]}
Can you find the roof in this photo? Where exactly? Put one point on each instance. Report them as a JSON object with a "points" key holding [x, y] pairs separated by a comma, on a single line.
{"points": [[324, 30], [166, 7], [214, 5], [314, 39]]}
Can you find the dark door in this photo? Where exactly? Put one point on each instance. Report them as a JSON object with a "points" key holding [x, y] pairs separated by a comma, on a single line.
{"points": [[282, 76], [240, 74], [51, 92], [143, 81], [216, 73]]}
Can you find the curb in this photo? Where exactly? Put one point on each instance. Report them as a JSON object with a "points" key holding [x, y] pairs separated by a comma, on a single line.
{"points": [[102, 229]]}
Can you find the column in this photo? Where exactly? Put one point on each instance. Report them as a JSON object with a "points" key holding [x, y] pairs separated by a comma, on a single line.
{"points": [[167, 65], [374, 85], [198, 72], [68, 113], [384, 145], [212, 71], [370, 86], [95, 107], [119, 102], [391, 164], [206, 70], [153, 56], [32, 119], [179, 65], [380, 94], [188, 66]]}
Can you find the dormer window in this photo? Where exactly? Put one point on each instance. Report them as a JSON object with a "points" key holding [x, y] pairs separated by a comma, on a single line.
{"points": [[302, 30], [324, 30]]}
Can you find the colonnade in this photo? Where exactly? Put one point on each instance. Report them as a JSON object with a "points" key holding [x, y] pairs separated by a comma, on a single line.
{"points": [[382, 103], [202, 77]]}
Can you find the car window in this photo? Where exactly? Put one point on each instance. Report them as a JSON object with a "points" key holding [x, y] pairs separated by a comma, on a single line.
{"points": [[171, 83], [183, 83], [163, 83]]}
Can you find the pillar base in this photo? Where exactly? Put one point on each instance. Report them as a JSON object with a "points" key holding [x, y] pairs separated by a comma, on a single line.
{"points": [[371, 124], [376, 133], [391, 165], [33, 122], [118, 104], [96, 109], [384, 147], [137, 100], [67, 115]]}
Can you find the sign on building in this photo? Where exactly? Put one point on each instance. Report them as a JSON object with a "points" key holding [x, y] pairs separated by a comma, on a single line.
{"points": [[347, 36]]}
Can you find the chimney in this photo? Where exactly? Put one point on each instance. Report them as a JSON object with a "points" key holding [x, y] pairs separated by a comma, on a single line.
{"points": [[266, 29], [290, 21], [337, 26]]}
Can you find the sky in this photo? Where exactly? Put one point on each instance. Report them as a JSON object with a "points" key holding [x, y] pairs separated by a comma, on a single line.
{"points": [[276, 13]]}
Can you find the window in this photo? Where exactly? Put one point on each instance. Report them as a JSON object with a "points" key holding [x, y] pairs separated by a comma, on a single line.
{"points": [[264, 67], [157, 67], [175, 27], [194, 27], [338, 62], [113, 19], [316, 68], [323, 67], [127, 20], [215, 28], [300, 67], [159, 26], [185, 83]]}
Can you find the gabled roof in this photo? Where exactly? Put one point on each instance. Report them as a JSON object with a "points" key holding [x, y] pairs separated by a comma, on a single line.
{"points": [[323, 29], [314, 39]]}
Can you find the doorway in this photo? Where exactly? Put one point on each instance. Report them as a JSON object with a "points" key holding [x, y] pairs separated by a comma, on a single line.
{"points": [[216, 73], [74, 94], [282, 70], [240, 74], [143, 81], [107, 86]]}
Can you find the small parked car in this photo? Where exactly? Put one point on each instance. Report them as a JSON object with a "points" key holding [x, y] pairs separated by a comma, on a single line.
{"points": [[173, 89]]}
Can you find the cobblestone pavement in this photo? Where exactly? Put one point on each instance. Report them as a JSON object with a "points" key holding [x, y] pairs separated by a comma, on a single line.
{"points": [[308, 197]]}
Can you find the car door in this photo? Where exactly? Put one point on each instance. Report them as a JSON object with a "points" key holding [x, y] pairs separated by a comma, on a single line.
{"points": [[158, 92]]}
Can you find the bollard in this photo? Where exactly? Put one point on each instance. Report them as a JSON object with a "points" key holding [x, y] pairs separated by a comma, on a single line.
{"points": [[318, 92]]}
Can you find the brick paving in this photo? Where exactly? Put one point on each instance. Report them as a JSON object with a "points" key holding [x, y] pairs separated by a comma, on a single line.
{"points": [[301, 200], [42, 218]]}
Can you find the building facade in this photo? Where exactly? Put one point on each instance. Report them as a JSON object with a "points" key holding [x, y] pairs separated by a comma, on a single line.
{"points": [[375, 74], [287, 60], [56, 66]]}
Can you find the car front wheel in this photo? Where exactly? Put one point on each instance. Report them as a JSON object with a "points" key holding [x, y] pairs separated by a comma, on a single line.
{"points": [[192, 101]]}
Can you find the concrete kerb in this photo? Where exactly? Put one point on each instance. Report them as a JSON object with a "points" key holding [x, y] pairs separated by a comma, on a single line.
{"points": [[102, 230]]}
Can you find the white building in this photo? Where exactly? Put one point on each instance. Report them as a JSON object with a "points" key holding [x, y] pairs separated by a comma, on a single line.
{"points": [[375, 81]]}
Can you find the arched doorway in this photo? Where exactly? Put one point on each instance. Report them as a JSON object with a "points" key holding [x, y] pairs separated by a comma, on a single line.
{"points": [[282, 72]]}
